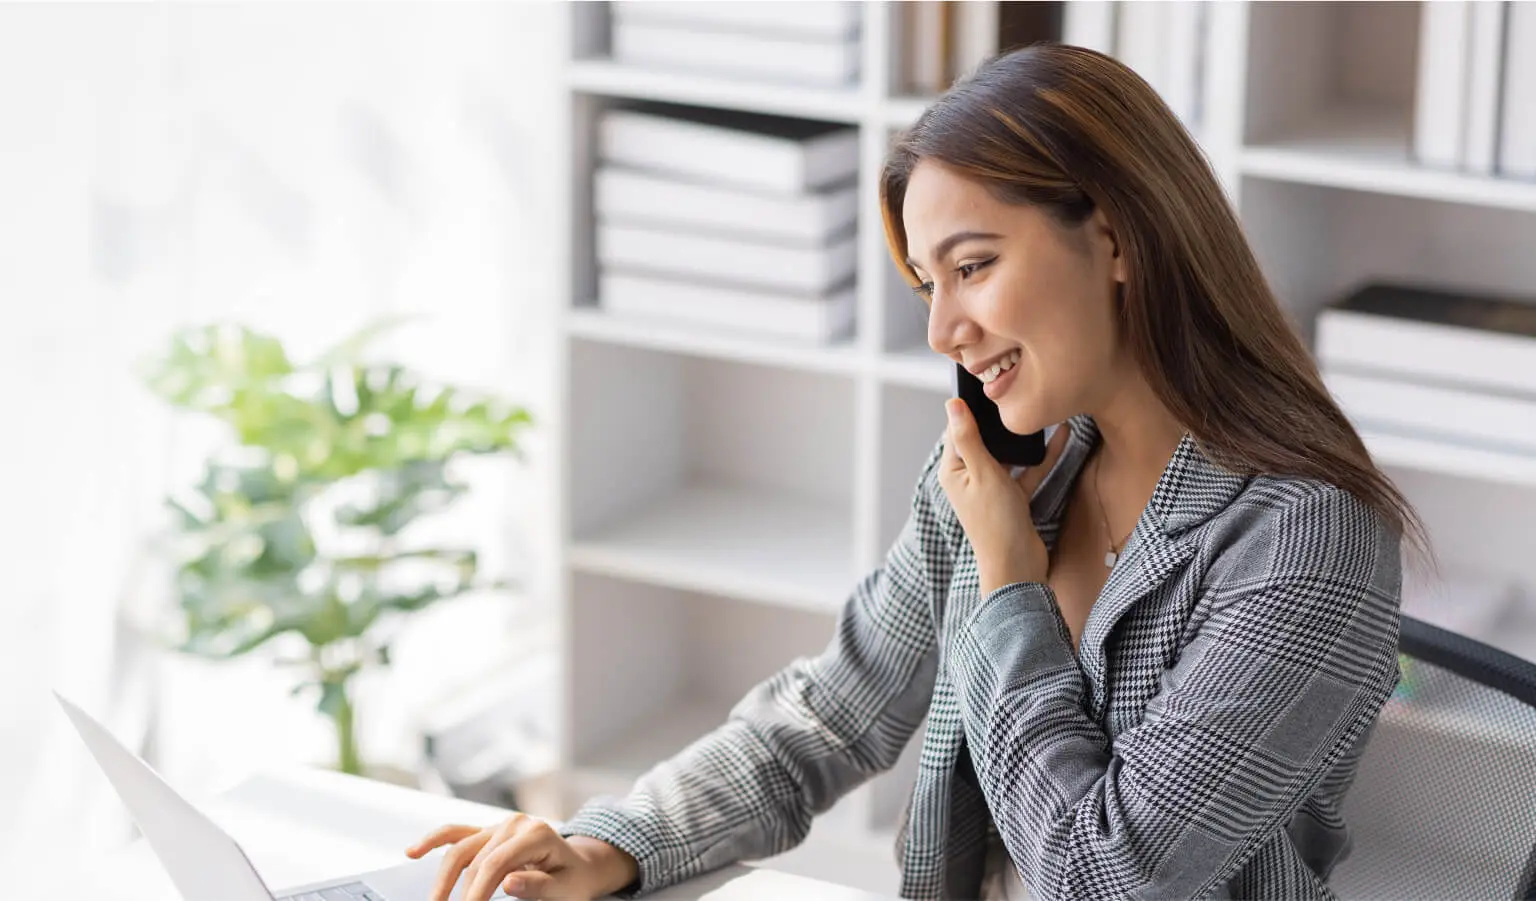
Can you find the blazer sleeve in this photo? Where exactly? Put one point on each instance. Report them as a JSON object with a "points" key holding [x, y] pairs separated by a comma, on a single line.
{"points": [[802, 738], [1289, 669]]}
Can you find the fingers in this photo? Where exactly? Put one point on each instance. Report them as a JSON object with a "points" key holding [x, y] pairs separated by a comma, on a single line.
{"points": [[454, 862], [1032, 476], [529, 884], [444, 836], [528, 843], [500, 834], [963, 447]]}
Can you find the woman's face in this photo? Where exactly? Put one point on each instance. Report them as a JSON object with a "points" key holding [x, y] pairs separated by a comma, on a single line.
{"points": [[1006, 282]]}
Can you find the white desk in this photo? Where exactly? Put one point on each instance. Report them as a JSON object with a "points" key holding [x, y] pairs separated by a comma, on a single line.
{"points": [[301, 826]]}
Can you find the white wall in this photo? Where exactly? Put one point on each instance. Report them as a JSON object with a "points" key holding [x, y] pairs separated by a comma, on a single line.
{"points": [[297, 167]]}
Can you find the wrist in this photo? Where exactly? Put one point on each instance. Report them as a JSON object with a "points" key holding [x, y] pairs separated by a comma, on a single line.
{"points": [[613, 867], [1006, 564], [992, 580]]}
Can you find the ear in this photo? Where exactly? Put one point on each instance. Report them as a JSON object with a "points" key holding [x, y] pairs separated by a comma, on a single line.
{"points": [[1104, 235]]}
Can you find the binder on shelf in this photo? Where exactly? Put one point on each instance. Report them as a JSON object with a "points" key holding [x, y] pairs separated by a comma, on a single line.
{"points": [[925, 29], [1454, 415], [635, 197], [1432, 335], [797, 317], [1439, 104], [1141, 41], [826, 20], [1183, 75], [736, 261], [973, 35], [790, 59], [749, 150], [983, 28], [1517, 125], [1089, 23], [1485, 59], [946, 40]]}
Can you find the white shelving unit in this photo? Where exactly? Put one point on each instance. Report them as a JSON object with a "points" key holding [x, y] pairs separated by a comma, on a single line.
{"points": [[720, 494]]}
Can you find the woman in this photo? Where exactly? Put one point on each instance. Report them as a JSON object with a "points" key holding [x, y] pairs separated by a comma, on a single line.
{"points": [[1149, 664]]}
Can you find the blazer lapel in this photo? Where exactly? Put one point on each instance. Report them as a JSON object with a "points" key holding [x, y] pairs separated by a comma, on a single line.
{"points": [[1190, 491], [1149, 560]]}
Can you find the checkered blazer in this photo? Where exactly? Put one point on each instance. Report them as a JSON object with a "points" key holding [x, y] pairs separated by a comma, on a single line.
{"points": [[1198, 745]]}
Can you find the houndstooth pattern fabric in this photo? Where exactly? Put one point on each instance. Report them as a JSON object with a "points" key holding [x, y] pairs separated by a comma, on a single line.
{"points": [[1197, 745]]}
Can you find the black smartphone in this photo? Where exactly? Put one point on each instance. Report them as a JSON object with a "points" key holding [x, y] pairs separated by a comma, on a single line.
{"points": [[1008, 448]]}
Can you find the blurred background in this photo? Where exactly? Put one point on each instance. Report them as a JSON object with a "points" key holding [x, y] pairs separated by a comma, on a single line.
{"points": [[302, 171], [482, 397]]}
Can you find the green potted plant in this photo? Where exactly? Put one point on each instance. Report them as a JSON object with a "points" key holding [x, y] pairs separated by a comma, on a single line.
{"points": [[302, 524]]}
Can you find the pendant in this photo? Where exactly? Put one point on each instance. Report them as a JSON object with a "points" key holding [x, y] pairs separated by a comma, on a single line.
{"points": [[1109, 559]]}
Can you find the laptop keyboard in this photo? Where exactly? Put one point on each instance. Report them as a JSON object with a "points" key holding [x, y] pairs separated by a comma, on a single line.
{"points": [[352, 891]]}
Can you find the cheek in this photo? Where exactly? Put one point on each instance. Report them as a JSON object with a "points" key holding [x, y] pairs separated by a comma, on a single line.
{"points": [[1064, 349]]}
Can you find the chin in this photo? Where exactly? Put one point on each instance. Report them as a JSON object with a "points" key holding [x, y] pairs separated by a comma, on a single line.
{"points": [[1021, 421]]}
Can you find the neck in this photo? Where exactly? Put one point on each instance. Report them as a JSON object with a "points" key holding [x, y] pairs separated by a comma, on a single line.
{"points": [[1139, 437]]}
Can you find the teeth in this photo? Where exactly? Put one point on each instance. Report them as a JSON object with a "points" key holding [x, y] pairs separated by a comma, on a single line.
{"points": [[1000, 367]]}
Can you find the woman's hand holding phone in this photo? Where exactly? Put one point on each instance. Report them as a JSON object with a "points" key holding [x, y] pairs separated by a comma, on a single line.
{"points": [[993, 506]]}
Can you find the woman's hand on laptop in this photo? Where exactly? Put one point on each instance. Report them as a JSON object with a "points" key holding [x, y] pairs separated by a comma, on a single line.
{"points": [[527, 858]]}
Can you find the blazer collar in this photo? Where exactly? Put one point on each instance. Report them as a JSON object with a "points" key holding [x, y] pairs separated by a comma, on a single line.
{"points": [[1191, 490]]}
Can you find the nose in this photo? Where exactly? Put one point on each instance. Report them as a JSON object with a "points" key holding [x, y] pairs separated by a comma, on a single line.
{"points": [[949, 328]]}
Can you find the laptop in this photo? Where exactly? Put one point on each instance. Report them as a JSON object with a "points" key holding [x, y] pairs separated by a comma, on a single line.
{"points": [[202, 860]]}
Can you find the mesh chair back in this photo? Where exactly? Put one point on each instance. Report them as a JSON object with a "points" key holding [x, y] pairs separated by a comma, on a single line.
{"points": [[1444, 803]]}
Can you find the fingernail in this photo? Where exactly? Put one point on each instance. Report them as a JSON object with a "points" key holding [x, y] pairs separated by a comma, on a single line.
{"points": [[949, 410], [513, 885]]}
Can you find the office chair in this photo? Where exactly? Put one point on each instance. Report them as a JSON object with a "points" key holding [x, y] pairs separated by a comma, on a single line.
{"points": [[1444, 803]]}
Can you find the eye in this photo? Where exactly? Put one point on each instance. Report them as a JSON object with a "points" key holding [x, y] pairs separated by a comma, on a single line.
{"points": [[969, 269], [923, 290]]}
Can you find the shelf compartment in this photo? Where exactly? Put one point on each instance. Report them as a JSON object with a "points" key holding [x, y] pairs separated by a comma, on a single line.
{"points": [[1340, 72], [760, 457], [1317, 243], [1448, 458], [748, 543], [671, 664], [595, 324], [1364, 150], [609, 79], [1346, 134]]}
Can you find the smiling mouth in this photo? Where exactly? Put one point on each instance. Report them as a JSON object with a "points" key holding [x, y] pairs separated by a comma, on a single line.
{"points": [[996, 370]]}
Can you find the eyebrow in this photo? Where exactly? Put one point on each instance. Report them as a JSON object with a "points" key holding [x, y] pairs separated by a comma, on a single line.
{"points": [[942, 249]]}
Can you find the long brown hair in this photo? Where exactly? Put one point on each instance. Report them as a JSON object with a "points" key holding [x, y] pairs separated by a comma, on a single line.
{"points": [[1070, 130]]}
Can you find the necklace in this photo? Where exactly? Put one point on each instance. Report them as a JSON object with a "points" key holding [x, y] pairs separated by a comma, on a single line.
{"points": [[1113, 554]]}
